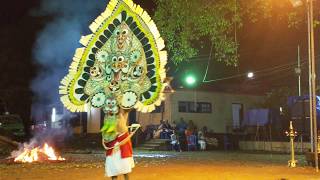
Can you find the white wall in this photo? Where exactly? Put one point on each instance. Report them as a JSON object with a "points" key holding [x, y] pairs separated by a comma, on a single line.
{"points": [[217, 120], [221, 115], [93, 120], [274, 146], [154, 118]]}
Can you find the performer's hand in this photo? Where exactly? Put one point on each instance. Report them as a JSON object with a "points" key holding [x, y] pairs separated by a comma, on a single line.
{"points": [[134, 126]]}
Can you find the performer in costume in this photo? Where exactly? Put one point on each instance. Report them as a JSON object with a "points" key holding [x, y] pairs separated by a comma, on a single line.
{"points": [[121, 67], [119, 158]]}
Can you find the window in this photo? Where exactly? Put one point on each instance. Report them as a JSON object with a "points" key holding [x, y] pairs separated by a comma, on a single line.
{"points": [[183, 106], [206, 107], [194, 107]]}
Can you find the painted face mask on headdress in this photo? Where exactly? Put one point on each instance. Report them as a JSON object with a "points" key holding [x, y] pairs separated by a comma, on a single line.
{"points": [[121, 66]]}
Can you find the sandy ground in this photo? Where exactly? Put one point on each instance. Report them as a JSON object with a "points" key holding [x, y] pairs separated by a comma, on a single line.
{"points": [[175, 166]]}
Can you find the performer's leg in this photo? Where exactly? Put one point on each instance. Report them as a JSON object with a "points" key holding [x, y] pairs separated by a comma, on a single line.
{"points": [[126, 176], [114, 177]]}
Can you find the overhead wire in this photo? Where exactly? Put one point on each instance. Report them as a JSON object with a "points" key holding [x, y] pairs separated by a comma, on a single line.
{"points": [[262, 72], [266, 71], [246, 52]]}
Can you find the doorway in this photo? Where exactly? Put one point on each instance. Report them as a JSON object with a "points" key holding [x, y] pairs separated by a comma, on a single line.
{"points": [[237, 115]]}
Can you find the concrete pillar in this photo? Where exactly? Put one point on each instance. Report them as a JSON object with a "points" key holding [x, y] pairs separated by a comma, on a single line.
{"points": [[93, 120]]}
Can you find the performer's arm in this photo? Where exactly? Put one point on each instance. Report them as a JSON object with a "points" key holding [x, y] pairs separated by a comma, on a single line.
{"points": [[105, 147]]}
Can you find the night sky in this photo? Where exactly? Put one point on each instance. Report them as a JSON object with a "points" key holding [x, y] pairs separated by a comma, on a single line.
{"points": [[265, 44], [18, 31]]}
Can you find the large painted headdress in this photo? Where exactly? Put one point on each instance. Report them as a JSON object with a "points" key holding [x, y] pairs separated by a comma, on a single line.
{"points": [[121, 66]]}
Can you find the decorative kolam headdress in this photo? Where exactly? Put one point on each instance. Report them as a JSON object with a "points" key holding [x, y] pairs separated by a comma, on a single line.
{"points": [[122, 63]]}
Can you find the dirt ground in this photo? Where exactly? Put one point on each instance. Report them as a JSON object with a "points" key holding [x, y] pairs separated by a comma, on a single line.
{"points": [[168, 165]]}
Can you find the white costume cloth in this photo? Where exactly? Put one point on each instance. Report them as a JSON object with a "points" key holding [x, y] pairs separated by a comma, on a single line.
{"points": [[115, 165], [202, 144]]}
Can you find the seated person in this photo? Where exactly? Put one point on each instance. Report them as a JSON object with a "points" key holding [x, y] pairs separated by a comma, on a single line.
{"points": [[201, 141], [192, 142], [175, 142]]}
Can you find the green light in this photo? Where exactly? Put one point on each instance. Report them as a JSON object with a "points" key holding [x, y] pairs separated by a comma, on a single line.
{"points": [[190, 80]]}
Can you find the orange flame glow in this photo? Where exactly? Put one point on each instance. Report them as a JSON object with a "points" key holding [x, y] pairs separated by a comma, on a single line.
{"points": [[45, 152]]}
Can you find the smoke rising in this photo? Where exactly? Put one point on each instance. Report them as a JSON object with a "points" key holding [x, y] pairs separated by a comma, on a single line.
{"points": [[56, 43]]}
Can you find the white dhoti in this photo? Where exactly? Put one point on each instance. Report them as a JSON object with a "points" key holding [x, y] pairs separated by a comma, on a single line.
{"points": [[115, 165], [119, 160]]}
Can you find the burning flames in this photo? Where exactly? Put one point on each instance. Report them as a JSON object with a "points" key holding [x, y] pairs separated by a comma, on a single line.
{"points": [[38, 154]]}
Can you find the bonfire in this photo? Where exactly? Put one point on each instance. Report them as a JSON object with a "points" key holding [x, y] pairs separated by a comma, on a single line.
{"points": [[38, 154]]}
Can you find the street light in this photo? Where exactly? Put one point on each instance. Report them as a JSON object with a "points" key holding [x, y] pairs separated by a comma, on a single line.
{"points": [[250, 75], [312, 79], [190, 80]]}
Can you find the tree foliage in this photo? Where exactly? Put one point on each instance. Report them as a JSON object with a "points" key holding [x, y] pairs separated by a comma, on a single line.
{"points": [[183, 23], [284, 9], [278, 97]]}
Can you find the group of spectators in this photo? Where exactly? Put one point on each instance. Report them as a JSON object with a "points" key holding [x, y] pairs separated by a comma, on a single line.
{"points": [[182, 135]]}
